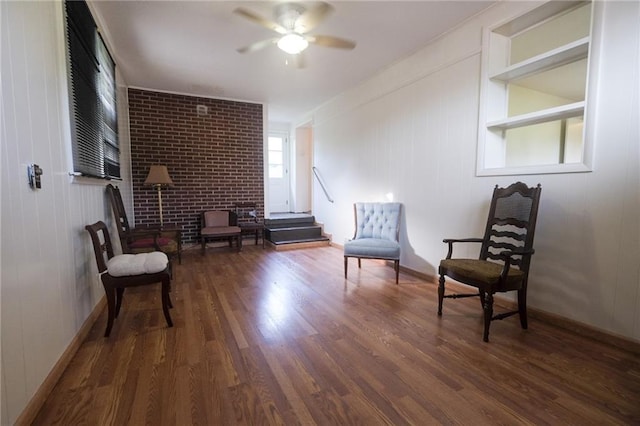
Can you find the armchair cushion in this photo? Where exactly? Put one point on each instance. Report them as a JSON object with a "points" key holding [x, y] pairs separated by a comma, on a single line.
{"points": [[479, 270], [213, 231], [136, 264], [372, 248]]}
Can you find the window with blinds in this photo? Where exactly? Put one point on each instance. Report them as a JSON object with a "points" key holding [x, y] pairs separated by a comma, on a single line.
{"points": [[92, 96]]}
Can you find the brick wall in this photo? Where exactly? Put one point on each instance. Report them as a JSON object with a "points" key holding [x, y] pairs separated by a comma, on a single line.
{"points": [[214, 159]]}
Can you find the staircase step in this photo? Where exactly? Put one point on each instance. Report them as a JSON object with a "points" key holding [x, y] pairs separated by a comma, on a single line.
{"points": [[304, 243], [276, 235], [293, 231], [290, 222]]}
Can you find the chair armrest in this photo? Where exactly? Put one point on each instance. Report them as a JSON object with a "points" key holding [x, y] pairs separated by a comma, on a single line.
{"points": [[507, 255], [450, 242], [516, 252]]}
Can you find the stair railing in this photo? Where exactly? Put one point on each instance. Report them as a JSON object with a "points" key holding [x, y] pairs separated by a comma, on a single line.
{"points": [[321, 182]]}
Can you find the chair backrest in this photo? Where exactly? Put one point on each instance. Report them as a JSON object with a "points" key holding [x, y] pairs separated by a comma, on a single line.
{"points": [[120, 214], [377, 220], [101, 244], [512, 222], [213, 218]]}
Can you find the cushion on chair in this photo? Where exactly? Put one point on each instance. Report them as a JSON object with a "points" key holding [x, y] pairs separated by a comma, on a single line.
{"points": [[479, 270], [136, 264], [214, 231], [377, 220], [372, 247]]}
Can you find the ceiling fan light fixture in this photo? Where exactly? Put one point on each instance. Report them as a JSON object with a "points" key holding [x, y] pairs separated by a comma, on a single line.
{"points": [[293, 43]]}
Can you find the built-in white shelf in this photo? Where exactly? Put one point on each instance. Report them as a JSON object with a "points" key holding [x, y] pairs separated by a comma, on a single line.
{"points": [[551, 114], [568, 53]]}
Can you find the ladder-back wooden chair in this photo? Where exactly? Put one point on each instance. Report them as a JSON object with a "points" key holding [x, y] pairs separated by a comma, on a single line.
{"points": [[505, 253], [167, 239]]}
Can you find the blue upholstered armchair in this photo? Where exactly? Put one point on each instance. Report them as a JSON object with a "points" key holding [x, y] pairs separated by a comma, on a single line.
{"points": [[376, 237]]}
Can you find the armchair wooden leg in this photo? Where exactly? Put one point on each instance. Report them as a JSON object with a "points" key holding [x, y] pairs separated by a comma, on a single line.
{"points": [[119, 295], [166, 301], [346, 262], [359, 263], [396, 266], [111, 308], [488, 314], [481, 294], [440, 294], [522, 307]]}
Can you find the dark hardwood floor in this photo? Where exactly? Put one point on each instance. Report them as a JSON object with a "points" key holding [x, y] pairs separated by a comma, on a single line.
{"points": [[268, 337]]}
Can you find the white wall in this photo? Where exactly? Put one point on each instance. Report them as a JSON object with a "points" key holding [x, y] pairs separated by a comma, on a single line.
{"points": [[412, 131], [49, 283]]}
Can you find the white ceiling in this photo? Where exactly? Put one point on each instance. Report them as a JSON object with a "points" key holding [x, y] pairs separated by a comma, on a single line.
{"points": [[190, 47]]}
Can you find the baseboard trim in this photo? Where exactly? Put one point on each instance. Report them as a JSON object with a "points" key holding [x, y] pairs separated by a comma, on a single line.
{"points": [[585, 330], [32, 409], [559, 321], [555, 320]]}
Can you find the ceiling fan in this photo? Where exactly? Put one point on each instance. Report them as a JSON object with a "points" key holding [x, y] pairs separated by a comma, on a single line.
{"points": [[292, 22]]}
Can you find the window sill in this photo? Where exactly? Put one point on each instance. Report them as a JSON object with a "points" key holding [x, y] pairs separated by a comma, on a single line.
{"points": [[535, 170]]}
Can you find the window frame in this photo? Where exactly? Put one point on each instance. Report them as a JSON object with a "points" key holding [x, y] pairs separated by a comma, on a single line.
{"points": [[488, 129], [91, 80]]}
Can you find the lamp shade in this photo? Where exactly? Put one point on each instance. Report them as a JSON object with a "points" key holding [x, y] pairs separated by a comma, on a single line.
{"points": [[158, 175]]}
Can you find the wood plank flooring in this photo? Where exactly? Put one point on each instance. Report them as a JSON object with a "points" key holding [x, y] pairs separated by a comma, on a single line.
{"points": [[268, 337]]}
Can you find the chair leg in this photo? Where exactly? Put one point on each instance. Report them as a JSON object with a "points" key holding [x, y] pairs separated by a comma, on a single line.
{"points": [[359, 263], [481, 294], [346, 262], [111, 307], [522, 307], [119, 295], [166, 301], [440, 294], [204, 244], [488, 314], [396, 266]]}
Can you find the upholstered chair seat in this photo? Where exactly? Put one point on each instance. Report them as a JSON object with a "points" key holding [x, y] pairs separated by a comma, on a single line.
{"points": [[372, 248]]}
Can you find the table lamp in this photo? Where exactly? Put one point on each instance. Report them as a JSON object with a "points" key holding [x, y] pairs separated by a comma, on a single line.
{"points": [[159, 176]]}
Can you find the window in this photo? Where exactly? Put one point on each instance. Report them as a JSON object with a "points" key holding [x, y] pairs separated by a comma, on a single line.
{"points": [[534, 92], [92, 96], [276, 157]]}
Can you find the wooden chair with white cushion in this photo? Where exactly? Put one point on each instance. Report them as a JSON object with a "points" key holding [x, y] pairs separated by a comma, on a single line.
{"points": [[118, 272]]}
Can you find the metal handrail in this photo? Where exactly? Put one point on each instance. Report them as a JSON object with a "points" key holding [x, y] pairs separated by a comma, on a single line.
{"points": [[316, 173]]}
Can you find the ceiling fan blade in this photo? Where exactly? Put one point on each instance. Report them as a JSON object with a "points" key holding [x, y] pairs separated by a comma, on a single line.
{"points": [[257, 45], [312, 17], [330, 41], [260, 20]]}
